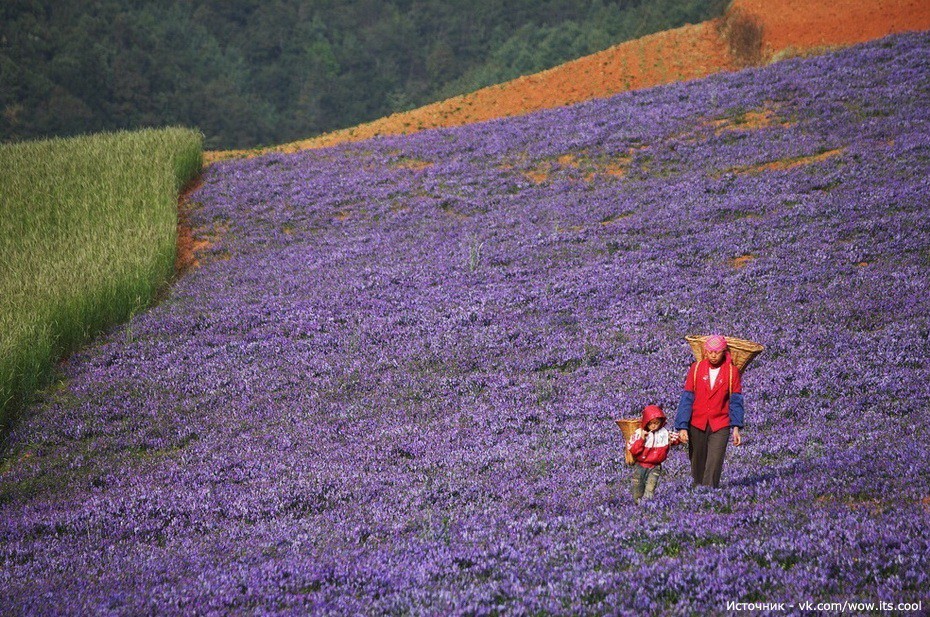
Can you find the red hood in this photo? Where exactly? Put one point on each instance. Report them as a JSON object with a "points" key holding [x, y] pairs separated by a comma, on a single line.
{"points": [[651, 412]]}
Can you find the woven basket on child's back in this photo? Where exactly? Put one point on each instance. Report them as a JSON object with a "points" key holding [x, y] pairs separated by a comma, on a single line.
{"points": [[742, 351], [628, 426]]}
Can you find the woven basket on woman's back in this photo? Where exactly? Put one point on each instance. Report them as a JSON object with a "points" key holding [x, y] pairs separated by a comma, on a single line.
{"points": [[742, 351], [628, 426]]}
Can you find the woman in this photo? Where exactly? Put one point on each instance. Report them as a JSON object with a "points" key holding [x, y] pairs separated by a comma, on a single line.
{"points": [[710, 405]]}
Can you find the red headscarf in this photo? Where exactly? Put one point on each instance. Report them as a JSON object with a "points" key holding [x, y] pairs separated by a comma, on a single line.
{"points": [[715, 342]]}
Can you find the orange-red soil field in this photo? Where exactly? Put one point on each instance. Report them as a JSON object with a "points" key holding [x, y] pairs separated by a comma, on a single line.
{"points": [[789, 27]]}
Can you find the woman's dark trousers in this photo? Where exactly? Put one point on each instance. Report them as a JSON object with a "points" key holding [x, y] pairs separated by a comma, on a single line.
{"points": [[706, 450]]}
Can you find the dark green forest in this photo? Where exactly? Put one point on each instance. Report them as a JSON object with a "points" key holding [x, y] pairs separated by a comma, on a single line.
{"points": [[262, 72]]}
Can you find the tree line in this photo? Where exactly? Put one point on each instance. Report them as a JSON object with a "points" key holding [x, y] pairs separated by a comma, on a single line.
{"points": [[262, 72]]}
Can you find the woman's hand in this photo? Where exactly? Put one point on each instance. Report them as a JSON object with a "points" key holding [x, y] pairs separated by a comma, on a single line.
{"points": [[737, 438], [683, 436]]}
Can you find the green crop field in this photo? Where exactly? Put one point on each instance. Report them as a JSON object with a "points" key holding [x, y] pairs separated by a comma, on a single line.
{"points": [[88, 231]]}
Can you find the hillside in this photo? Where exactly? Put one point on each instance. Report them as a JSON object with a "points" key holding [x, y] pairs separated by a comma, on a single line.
{"points": [[259, 72], [390, 386], [788, 27]]}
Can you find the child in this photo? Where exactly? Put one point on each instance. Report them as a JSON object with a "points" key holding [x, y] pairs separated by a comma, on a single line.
{"points": [[649, 446]]}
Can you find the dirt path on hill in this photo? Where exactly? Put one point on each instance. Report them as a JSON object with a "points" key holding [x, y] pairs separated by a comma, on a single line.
{"points": [[188, 246]]}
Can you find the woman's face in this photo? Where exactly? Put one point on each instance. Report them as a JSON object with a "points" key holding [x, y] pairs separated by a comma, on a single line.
{"points": [[715, 357]]}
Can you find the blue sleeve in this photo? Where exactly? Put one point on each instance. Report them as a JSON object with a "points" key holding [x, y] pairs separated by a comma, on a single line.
{"points": [[737, 410], [685, 406]]}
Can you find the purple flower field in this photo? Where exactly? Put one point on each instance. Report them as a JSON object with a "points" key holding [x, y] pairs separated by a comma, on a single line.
{"points": [[390, 389]]}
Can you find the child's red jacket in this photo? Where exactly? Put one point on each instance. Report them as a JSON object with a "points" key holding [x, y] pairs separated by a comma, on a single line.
{"points": [[650, 448]]}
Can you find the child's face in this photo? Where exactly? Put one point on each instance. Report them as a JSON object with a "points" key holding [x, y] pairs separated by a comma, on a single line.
{"points": [[654, 425]]}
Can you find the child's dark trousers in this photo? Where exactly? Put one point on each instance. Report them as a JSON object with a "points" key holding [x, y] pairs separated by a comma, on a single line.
{"points": [[645, 481]]}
